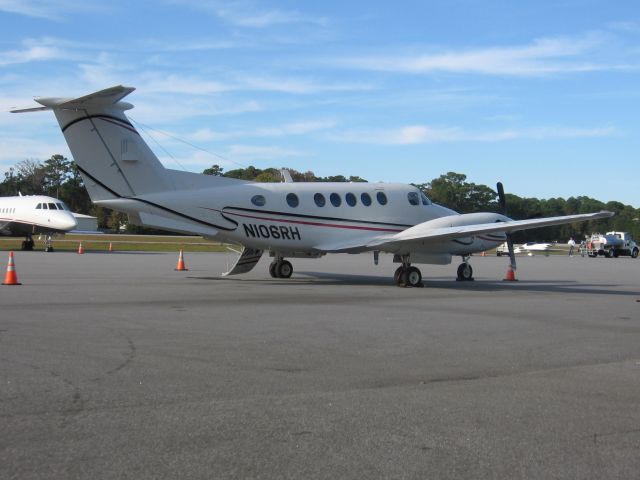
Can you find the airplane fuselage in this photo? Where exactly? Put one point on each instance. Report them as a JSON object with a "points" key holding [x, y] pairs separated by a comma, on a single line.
{"points": [[298, 218], [34, 214]]}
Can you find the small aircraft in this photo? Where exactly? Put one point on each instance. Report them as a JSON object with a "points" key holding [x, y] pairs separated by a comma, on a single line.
{"points": [[528, 248], [28, 215], [288, 220]]}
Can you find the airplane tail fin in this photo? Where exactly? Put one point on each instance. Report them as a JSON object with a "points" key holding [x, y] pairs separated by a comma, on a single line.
{"points": [[111, 155]]}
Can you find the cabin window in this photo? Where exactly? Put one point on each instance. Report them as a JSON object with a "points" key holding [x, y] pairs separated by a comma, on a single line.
{"points": [[366, 199], [335, 199], [292, 200], [39, 206], [52, 206], [382, 198], [350, 198], [258, 200], [414, 198], [319, 199]]}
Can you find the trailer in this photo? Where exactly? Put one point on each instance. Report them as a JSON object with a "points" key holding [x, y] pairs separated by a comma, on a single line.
{"points": [[612, 245]]}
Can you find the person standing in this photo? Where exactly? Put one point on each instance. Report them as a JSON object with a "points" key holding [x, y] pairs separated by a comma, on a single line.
{"points": [[572, 245]]}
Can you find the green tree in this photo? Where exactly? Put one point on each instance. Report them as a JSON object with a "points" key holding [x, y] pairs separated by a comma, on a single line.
{"points": [[30, 176], [215, 170], [57, 170], [9, 186], [453, 191]]}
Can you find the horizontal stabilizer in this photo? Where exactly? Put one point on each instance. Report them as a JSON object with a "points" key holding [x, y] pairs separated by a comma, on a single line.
{"points": [[100, 99], [27, 110]]}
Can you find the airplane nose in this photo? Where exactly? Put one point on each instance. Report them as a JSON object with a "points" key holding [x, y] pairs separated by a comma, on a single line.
{"points": [[70, 223]]}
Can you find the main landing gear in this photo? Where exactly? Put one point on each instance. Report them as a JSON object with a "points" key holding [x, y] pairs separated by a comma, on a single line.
{"points": [[280, 268], [406, 275], [28, 243], [465, 272]]}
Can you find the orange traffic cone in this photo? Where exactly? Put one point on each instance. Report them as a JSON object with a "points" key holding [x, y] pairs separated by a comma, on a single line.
{"points": [[511, 276], [180, 266], [11, 277], [110, 247], [80, 248]]}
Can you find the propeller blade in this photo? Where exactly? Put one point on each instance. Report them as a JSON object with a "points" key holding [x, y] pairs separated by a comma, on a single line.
{"points": [[502, 199]]}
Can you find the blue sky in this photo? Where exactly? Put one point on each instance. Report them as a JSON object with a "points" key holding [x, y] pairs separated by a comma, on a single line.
{"points": [[542, 96]]}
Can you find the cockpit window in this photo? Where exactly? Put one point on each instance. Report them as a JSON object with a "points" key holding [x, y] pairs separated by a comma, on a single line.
{"points": [[52, 206], [60, 206], [39, 206], [414, 198], [425, 199], [44, 206]]}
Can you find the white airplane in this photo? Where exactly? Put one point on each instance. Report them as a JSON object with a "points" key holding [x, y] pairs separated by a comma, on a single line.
{"points": [[288, 220], [28, 215], [529, 248]]}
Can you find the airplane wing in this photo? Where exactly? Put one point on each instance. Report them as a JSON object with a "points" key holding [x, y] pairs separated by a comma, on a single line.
{"points": [[424, 234]]}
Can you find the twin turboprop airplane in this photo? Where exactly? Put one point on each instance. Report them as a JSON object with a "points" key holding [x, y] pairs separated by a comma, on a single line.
{"points": [[288, 220], [34, 214]]}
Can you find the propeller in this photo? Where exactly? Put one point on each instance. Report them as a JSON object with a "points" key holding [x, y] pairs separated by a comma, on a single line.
{"points": [[503, 210]]}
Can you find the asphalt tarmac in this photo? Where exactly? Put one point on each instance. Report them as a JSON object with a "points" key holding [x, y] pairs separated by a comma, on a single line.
{"points": [[117, 366]]}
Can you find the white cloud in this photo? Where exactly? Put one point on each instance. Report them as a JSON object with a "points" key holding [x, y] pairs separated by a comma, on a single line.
{"points": [[253, 153], [543, 56], [250, 14], [31, 53], [49, 9], [420, 134], [298, 86], [15, 149]]}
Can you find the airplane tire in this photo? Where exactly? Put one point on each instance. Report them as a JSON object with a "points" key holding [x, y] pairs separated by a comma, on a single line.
{"points": [[397, 276], [284, 269], [412, 277], [272, 270], [465, 272]]}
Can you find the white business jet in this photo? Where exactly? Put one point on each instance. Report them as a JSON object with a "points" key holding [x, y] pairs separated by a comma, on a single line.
{"points": [[288, 220], [28, 215]]}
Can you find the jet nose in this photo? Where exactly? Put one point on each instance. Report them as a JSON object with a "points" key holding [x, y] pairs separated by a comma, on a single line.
{"points": [[69, 222]]}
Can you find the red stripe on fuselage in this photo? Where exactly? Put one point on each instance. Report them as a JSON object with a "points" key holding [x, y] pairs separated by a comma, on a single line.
{"points": [[314, 224]]}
